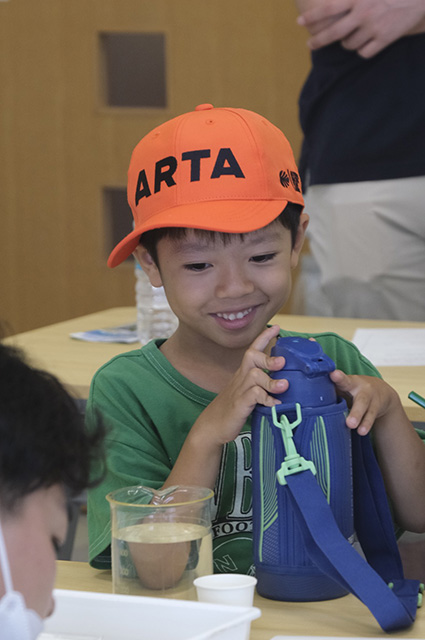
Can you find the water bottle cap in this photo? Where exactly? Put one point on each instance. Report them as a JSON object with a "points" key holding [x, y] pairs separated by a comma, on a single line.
{"points": [[303, 355], [307, 370]]}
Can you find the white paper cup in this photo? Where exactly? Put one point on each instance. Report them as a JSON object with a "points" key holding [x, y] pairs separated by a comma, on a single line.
{"points": [[226, 588]]}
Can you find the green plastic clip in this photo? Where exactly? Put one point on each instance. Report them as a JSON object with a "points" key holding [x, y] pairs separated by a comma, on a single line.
{"points": [[420, 595], [293, 462]]}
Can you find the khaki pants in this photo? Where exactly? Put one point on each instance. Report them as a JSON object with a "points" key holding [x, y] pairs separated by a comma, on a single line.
{"points": [[367, 242]]}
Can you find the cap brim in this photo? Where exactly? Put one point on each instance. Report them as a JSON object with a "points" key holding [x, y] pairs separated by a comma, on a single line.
{"points": [[230, 216]]}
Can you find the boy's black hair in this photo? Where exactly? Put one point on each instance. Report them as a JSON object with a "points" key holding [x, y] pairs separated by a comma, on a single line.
{"points": [[289, 218], [43, 440]]}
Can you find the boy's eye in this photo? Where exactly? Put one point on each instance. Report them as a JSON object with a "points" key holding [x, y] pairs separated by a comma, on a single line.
{"points": [[266, 257], [196, 266]]}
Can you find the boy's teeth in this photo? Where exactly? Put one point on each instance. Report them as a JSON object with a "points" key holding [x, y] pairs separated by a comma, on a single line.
{"points": [[235, 316]]}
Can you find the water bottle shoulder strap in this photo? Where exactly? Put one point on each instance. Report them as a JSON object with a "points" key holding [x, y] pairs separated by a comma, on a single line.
{"points": [[378, 581]]}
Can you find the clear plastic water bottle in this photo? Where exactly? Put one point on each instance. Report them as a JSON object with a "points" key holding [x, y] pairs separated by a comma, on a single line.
{"points": [[155, 319]]}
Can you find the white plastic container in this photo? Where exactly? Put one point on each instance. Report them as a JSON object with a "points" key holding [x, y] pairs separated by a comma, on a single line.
{"points": [[236, 589], [98, 616]]}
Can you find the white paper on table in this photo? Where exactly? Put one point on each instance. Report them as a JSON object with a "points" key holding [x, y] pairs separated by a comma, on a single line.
{"points": [[61, 636], [317, 638], [402, 347], [126, 333]]}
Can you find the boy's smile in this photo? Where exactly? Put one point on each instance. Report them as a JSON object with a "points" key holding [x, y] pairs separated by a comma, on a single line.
{"points": [[234, 317], [223, 291]]}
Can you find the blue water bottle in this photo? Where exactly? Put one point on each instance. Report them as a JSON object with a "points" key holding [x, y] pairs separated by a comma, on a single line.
{"points": [[307, 431]]}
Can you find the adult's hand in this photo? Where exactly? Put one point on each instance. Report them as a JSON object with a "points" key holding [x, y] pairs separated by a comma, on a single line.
{"points": [[365, 26]]}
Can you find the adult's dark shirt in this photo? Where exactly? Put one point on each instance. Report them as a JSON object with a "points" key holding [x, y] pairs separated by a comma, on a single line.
{"points": [[364, 119]]}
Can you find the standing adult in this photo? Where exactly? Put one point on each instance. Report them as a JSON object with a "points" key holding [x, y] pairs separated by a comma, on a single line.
{"points": [[362, 111]]}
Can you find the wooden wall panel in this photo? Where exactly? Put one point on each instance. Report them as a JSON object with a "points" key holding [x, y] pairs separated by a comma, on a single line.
{"points": [[60, 144]]}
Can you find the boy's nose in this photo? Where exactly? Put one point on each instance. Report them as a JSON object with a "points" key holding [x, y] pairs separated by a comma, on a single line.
{"points": [[233, 283]]}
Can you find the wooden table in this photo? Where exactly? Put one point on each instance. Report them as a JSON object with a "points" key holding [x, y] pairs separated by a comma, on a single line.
{"points": [[75, 362], [342, 617]]}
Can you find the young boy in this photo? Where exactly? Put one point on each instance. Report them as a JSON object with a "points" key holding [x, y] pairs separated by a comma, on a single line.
{"points": [[45, 457], [217, 207]]}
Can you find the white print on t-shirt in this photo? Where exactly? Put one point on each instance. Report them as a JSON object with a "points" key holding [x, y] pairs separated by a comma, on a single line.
{"points": [[232, 512]]}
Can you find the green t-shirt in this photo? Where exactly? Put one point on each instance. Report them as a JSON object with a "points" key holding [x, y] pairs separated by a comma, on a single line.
{"points": [[150, 408]]}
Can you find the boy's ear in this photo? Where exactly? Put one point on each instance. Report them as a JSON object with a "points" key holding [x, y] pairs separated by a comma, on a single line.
{"points": [[148, 265], [299, 240]]}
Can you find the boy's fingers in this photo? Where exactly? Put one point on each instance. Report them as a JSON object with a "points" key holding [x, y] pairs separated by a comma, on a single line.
{"points": [[278, 386], [261, 341], [262, 392], [363, 412], [261, 381], [362, 421], [342, 381], [257, 360], [255, 356], [275, 363]]}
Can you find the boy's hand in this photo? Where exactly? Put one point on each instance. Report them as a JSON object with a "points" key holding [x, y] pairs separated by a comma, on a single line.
{"points": [[369, 398], [399, 451], [222, 420], [249, 386]]}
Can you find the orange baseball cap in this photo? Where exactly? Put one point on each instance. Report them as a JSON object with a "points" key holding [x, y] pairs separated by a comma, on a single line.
{"points": [[218, 169]]}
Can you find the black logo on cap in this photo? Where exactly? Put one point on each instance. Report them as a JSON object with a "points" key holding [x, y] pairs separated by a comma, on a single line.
{"points": [[284, 179], [295, 179], [290, 177]]}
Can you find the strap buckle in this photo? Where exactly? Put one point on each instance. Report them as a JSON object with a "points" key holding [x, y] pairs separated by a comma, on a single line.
{"points": [[421, 590], [293, 462]]}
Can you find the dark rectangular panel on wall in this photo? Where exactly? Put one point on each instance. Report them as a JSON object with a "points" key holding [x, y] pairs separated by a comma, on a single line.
{"points": [[134, 69], [118, 220]]}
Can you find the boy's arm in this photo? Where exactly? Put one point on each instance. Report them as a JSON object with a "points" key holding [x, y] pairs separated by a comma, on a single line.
{"points": [[199, 459], [400, 452], [365, 26]]}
